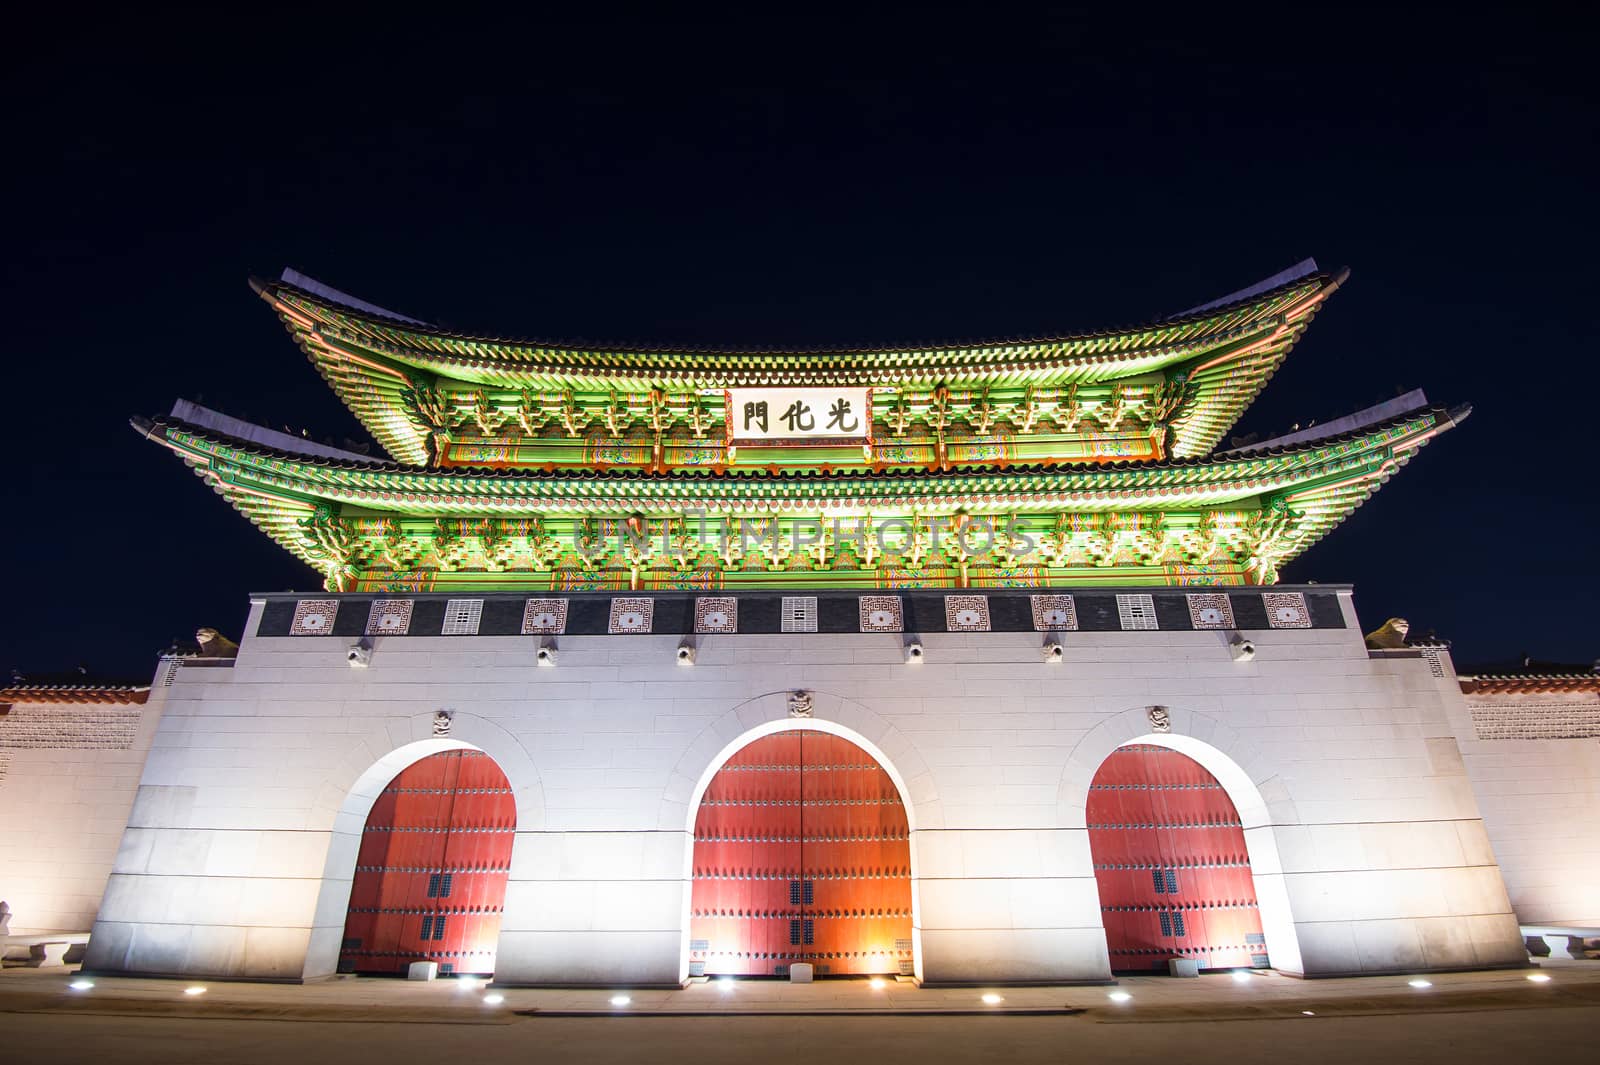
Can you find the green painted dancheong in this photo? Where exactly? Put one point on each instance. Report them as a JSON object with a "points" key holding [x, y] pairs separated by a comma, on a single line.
{"points": [[542, 466]]}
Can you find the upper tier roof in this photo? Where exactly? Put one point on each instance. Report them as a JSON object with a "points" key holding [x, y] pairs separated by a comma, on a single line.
{"points": [[1226, 351]]}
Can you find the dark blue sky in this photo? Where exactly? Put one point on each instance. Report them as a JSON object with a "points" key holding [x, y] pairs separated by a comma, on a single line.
{"points": [[807, 178]]}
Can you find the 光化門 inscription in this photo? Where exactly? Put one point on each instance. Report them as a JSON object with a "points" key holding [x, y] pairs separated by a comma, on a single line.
{"points": [[799, 415]]}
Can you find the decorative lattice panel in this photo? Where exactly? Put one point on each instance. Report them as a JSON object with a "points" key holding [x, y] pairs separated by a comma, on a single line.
{"points": [[799, 613], [461, 617]]}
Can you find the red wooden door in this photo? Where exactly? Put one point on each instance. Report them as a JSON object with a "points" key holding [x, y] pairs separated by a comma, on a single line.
{"points": [[430, 881], [1171, 864], [802, 853]]}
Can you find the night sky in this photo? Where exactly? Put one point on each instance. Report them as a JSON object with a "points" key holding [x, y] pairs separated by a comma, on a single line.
{"points": [[812, 178]]}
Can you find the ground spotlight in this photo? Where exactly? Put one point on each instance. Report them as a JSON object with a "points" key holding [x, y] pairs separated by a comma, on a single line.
{"points": [[197, 990], [1307, 1013], [81, 985], [467, 983], [1539, 978], [992, 999], [877, 983], [1120, 996], [1420, 983], [1241, 977], [727, 984], [620, 1000], [493, 1000]]}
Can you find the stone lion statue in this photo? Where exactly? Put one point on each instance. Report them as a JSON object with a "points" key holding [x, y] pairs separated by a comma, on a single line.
{"points": [[1390, 635], [215, 645]]}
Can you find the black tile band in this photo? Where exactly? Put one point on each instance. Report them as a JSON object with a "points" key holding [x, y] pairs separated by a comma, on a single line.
{"points": [[753, 613]]}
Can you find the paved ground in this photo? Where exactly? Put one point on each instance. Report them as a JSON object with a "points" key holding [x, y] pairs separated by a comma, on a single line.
{"points": [[1455, 1038], [1463, 1017]]}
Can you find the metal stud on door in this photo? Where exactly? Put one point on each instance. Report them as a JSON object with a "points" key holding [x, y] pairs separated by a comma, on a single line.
{"points": [[1171, 864], [802, 853], [430, 877]]}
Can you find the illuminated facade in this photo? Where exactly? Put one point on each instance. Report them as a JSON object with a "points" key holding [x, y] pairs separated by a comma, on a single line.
{"points": [[963, 663]]}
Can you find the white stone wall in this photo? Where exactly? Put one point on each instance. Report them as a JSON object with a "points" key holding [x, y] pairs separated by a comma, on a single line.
{"points": [[1368, 848], [68, 774], [1540, 798]]}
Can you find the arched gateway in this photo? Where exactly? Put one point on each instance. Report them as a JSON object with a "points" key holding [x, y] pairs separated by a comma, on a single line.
{"points": [[802, 853], [1171, 864], [430, 878]]}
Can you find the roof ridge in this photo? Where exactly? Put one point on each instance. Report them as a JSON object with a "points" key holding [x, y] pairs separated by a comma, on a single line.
{"points": [[334, 299], [73, 687], [1375, 414], [102, 694], [1575, 674], [1304, 268]]}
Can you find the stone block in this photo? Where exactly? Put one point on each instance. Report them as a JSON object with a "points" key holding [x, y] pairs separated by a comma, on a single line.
{"points": [[1563, 946], [578, 958], [1389, 946], [1326, 948], [275, 953], [1031, 955], [48, 955], [1183, 967]]}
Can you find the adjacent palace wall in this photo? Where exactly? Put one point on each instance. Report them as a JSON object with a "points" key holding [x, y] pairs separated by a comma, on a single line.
{"points": [[70, 760], [1532, 749]]}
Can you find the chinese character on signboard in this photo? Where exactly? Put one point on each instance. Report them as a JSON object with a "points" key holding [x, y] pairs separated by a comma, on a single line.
{"points": [[755, 413], [799, 415]]}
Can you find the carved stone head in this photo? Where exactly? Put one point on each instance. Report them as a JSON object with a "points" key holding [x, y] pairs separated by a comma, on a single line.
{"points": [[215, 645]]}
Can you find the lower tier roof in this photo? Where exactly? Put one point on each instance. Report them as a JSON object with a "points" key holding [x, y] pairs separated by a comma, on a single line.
{"points": [[376, 524]]}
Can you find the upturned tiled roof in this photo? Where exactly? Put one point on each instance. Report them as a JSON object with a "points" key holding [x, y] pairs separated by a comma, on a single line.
{"points": [[1227, 353], [74, 693], [1529, 683], [1322, 481]]}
